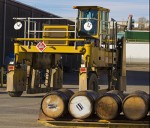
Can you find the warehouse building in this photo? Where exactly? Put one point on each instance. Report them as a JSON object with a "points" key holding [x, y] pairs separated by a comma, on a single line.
{"points": [[10, 9]]}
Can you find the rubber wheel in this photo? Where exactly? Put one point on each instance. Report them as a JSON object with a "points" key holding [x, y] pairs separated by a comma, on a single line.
{"points": [[93, 82], [15, 94]]}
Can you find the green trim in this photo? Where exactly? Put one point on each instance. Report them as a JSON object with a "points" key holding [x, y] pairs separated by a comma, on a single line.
{"points": [[137, 36], [138, 40]]}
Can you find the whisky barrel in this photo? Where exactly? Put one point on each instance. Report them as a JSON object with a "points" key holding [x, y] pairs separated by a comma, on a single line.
{"points": [[81, 104], [55, 104], [109, 106], [136, 105]]}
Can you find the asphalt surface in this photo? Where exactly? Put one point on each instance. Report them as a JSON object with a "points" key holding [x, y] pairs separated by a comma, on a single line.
{"points": [[23, 112]]}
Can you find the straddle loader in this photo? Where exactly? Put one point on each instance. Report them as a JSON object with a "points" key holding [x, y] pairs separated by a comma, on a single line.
{"points": [[37, 67], [40, 51]]}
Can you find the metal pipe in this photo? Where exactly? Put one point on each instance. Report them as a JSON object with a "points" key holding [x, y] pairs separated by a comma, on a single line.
{"points": [[113, 42], [75, 34], [101, 34], [28, 30], [42, 18], [35, 29], [87, 19], [116, 34], [23, 19], [129, 26], [51, 31], [108, 30], [25, 30], [46, 39], [54, 18], [75, 30]]}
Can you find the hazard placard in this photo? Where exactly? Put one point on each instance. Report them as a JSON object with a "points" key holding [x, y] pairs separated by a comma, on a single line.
{"points": [[41, 46]]}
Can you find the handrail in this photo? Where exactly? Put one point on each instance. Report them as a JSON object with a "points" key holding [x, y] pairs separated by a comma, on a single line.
{"points": [[30, 27], [48, 39], [52, 31], [15, 18]]}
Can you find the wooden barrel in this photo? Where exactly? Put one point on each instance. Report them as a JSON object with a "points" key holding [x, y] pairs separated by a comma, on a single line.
{"points": [[136, 105], [55, 104], [81, 104], [109, 106]]}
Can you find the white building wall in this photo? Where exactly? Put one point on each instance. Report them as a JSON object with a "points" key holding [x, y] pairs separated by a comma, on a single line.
{"points": [[137, 53], [136, 25]]}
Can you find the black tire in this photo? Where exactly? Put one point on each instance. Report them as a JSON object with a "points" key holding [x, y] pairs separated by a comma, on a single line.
{"points": [[15, 94], [93, 82]]}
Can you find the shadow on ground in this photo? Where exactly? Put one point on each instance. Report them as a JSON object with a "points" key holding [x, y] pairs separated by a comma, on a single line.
{"points": [[133, 78], [3, 92], [25, 96], [138, 78]]}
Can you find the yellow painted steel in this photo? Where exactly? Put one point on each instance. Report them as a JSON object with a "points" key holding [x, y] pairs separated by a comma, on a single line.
{"points": [[83, 81], [60, 26], [16, 51], [16, 48], [108, 41], [48, 39], [92, 7], [91, 123], [88, 63], [99, 22], [53, 49], [57, 39], [57, 28], [87, 55], [18, 81]]}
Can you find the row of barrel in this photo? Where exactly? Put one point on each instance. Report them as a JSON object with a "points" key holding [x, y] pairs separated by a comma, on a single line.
{"points": [[83, 104]]}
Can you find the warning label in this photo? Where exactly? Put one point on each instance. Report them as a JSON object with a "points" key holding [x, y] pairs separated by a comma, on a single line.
{"points": [[41, 46]]}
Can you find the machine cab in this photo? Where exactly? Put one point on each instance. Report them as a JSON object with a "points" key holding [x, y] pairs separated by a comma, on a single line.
{"points": [[92, 21]]}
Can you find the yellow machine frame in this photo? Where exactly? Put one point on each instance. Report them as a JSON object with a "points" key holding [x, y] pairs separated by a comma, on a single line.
{"points": [[94, 57]]}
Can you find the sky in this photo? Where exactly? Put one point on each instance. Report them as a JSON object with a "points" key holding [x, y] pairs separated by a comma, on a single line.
{"points": [[119, 9]]}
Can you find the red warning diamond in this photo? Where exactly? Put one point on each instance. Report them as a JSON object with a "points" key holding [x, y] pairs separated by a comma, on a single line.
{"points": [[41, 46]]}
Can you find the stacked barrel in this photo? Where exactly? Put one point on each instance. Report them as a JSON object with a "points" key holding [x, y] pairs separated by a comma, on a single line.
{"points": [[81, 104], [55, 103], [109, 106], [84, 104], [136, 105]]}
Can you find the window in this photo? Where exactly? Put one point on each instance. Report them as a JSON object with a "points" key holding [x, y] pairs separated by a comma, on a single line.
{"points": [[88, 21]]}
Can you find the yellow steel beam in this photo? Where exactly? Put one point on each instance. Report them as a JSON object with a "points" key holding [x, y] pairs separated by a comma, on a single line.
{"points": [[53, 49], [16, 50], [108, 41], [48, 39], [87, 55]]}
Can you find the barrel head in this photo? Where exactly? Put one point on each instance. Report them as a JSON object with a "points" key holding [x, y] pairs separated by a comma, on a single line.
{"points": [[106, 107], [52, 106], [80, 107], [135, 108]]}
